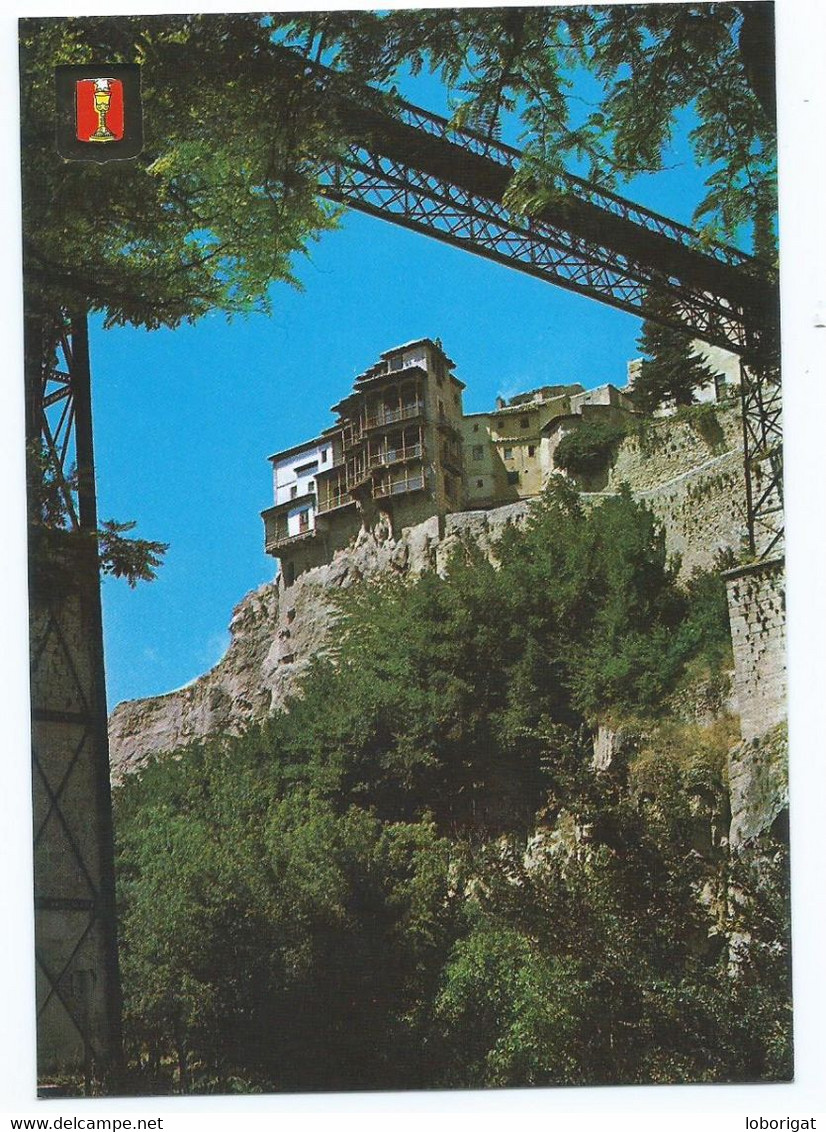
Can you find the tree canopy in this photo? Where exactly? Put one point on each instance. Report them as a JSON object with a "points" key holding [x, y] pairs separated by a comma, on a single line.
{"points": [[224, 195]]}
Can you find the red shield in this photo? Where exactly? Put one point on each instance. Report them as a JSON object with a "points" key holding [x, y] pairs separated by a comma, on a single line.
{"points": [[99, 110]]}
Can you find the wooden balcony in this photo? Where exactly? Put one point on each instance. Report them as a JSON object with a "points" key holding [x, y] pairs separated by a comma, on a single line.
{"points": [[398, 485], [396, 455], [333, 496], [393, 416], [277, 535]]}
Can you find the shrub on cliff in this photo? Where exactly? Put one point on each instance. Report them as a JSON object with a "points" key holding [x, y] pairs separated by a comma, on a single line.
{"points": [[587, 450]]}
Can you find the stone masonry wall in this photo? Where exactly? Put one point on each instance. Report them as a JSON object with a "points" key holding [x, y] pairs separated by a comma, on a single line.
{"points": [[690, 473], [758, 766], [668, 447], [756, 599]]}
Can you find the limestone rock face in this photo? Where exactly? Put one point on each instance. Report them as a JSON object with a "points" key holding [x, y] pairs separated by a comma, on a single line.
{"points": [[758, 785], [275, 633], [229, 696], [687, 479]]}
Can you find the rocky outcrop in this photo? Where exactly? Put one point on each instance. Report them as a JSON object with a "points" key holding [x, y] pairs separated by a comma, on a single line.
{"points": [[276, 631], [759, 787]]}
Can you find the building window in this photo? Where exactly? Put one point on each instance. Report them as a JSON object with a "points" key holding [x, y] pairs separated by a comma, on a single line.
{"points": [[513, 477], [480, 483], [456, 399], [478, 452], [307, 469], [531, 450], [500, 424], [396, 362], [294, 491], [476, 428], [441, 407], [508, 453], [311, 484], [324, 455], [448, 487], [524, 422]]}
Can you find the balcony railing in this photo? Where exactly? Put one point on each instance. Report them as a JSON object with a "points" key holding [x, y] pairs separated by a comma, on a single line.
{"points": [[277, 535], [395, 455], [333, 500], [399, 486], [391, 416]]}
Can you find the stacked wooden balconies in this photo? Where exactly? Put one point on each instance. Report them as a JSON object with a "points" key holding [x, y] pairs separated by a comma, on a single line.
{"points": [[383, 448]]}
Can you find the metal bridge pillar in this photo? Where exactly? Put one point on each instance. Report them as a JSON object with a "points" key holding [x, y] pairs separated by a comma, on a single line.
{"points": [[78, 993], [761, 401]]}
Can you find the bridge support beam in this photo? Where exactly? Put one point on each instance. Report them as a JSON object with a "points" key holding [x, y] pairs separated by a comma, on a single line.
{"points": [[78, 992]]}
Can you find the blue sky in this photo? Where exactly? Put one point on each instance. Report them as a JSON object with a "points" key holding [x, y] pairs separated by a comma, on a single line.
{"points": [[185, 419]]}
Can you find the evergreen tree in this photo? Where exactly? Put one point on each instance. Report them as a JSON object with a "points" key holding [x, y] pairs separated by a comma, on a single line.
{"points": [[670, 371]]}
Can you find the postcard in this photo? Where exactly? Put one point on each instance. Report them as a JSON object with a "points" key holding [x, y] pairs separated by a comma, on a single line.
{"points": [[407, 541]]}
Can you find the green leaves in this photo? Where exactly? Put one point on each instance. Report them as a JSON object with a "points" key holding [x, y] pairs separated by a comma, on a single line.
{"points": [[135, 559], [671, 372], [417, 878], [224, 197], [220, 201]]}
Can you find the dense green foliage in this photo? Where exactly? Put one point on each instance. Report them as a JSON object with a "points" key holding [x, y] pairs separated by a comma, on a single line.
{"points": [[588, 448], [51, 504], [645, 63], [212, 211], [416, 877]]}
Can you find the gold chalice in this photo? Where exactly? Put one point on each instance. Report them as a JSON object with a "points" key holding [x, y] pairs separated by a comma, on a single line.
{"points": [[103, 100]]}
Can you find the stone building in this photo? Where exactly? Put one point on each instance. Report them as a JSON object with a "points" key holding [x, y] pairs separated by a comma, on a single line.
{"points": [[401, 451], [392, 459], [503, 448]]}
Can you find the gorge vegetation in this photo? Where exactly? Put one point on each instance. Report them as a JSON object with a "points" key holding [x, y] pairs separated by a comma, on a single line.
{"points": [[419, 875]]}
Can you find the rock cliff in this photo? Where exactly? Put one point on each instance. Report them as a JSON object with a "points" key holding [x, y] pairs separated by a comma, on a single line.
{"points": [[276, 632], [688, 472]]}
